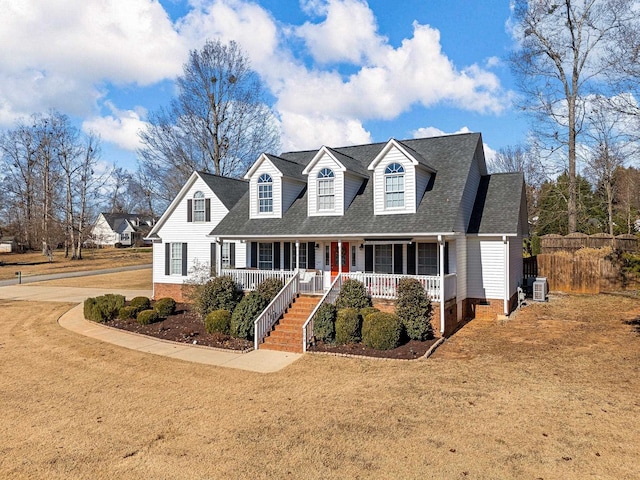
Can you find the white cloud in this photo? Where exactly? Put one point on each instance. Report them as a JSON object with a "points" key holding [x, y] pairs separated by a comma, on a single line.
{"points": [[308, 131], [121, 127], [59, 54], [424, 132]]}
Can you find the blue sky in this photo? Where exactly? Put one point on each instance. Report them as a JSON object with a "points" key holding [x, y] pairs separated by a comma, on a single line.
{"points": [[340, 72]]}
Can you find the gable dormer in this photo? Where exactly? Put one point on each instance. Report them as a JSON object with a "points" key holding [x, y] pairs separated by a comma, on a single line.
{"points": [[274, 184], [400, 178], [333, 180]]}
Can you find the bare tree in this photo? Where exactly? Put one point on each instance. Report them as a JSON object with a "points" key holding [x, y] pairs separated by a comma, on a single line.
{"points": [[562, 57], [219, 122]]}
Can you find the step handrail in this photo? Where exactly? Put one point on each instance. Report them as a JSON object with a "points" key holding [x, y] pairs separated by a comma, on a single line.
{"points": [[330, 296], [270, 315]]}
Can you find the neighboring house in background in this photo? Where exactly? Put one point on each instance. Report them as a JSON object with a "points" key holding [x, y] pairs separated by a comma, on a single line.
{"points": [[180, 237], [8, 245], [126, 229], [423, 208]]}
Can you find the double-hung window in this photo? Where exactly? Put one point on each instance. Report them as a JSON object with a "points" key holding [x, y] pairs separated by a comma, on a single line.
{"points": [[265, 193], [384, 258], [198, 207], [427, 259], [394, 186], [265, 256], [326, 195], [175, 260]]}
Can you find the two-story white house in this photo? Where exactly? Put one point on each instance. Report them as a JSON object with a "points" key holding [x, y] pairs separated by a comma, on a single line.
{"points": [[425, 208]]}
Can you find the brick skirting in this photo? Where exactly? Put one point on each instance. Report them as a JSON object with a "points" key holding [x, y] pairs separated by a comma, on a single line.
{"points": [[171, 290]]}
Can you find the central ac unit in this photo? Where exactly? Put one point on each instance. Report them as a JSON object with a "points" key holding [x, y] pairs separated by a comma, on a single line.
{"points": [[540, 290]]}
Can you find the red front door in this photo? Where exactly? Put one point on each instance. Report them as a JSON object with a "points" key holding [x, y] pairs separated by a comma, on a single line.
{"points": [[334, 258]]}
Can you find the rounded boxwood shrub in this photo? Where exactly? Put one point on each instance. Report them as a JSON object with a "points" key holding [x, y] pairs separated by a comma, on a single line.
{"points": [[145, 317], [353, 295], [218, 321], [140, 303], [367, 311], [245, 314], [347, 326], [127, 312], [219, 293], [381, 330], [165, 306], [324, 323], [414, 309], [269, 288], [103, 308]]}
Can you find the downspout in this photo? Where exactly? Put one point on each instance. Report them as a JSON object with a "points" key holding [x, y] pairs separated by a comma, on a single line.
{"points": [[442, 292], [505, 241]]}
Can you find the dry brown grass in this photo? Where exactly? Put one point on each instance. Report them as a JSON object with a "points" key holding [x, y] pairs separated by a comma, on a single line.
{"points": [[92, 259], [134, 280], [552, 393]]}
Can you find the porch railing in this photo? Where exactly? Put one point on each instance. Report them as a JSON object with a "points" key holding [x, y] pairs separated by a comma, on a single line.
{"points": [[250, 279], [264, 323], [330, 297], [384, 285], [450, 286], [311, 282]]}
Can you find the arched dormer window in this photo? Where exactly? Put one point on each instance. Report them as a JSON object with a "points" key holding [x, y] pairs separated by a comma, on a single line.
{"points": [[198, 207], [394, 186], [265, 193], [326, 195]]}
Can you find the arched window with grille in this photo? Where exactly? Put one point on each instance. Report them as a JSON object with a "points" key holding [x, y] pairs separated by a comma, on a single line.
{"points": [[394, 186], [265, 193], [325, 189]]}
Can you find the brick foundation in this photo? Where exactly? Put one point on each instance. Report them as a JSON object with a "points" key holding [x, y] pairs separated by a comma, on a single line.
{"points": [[486, 308], [171, 290]]}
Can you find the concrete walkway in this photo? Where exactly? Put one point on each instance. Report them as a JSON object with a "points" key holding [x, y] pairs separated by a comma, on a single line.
{"points": [[262, 361]]}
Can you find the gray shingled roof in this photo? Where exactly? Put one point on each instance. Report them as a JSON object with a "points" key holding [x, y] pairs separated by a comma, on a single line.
{"points": [[115, 219], [451, 156], [497, 205], [228, 190], [287, 167]]}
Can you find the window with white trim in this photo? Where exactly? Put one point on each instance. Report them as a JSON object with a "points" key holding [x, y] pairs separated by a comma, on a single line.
{"points": [[265, 256], [225, 255], [383, 259], [353, 255], [394, 186], [175, 260], [198, 207], [326, 192], [427, 259], [265, 193]]}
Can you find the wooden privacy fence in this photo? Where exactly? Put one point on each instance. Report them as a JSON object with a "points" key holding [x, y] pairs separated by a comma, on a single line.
{"points": [[575, 241], [582, 273]]}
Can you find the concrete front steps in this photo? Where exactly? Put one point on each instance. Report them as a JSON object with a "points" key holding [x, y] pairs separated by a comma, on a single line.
{"points": [[286, 335]]}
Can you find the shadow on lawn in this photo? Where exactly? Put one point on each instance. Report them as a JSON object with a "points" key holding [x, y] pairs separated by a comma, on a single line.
{"points": [[636, 323]]}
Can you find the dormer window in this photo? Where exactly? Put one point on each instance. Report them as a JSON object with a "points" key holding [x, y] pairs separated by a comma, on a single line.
{"points": [[394, 186], [265, 193], [326, 195], [198, 207]]}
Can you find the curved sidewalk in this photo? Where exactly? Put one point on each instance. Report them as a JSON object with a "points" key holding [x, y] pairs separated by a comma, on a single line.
{"points": [[262, 361]]}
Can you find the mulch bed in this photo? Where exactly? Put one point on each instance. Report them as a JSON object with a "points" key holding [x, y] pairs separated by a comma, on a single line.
{"points": [[409, 351], [183, 327]]}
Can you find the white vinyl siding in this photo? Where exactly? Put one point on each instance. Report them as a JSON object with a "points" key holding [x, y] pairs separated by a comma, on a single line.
{"points": [[266, 167], [409, 203], [461, 268], [352, 184], [176, 229], [290, 191], [515, 264], [313, 209], [485, 268], [422, 180]]}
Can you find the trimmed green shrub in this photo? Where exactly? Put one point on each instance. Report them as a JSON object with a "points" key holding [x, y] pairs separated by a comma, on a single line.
{"points": [[140, 303], [218, 321], [381, 330], [127, 312], [414, 309], [269, 288], [348, 324], [145, 317], [367, 311], [104, 308], [165, 306], [245, 314], [219, 293], [353, 295], [324, 323]]}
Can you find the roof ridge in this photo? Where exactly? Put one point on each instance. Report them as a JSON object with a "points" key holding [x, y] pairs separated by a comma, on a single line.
{"points": [[200, 172]]}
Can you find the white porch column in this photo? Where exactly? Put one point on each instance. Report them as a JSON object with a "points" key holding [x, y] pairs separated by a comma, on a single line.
{"points": [[297, 255], [339, 256], [441, 272], [219, 256], [505, 241]]}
